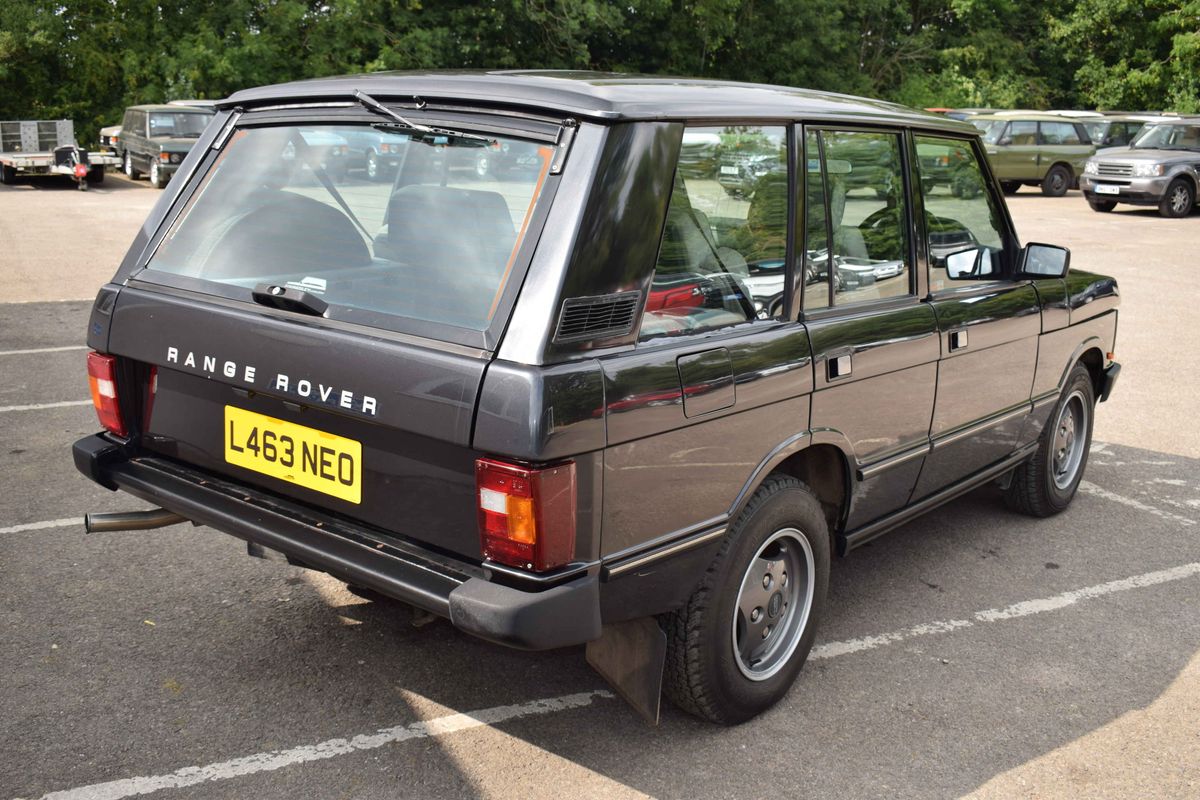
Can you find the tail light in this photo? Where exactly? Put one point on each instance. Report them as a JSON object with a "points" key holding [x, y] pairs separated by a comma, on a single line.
{"points": [[102, 380], [526, 515]]}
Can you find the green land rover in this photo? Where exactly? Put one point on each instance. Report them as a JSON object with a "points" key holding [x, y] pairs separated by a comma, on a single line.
{"points": [[1034, 149]]}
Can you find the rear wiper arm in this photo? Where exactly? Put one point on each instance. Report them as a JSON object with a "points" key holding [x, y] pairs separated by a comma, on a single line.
{"points": [[374, 105]]}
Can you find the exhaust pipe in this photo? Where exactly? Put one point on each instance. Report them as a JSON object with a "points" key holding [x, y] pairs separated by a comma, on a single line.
{"points": [[131, 520]]}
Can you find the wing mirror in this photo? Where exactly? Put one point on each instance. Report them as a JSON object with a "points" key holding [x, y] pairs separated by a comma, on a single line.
{"points": [[1044, 261]]}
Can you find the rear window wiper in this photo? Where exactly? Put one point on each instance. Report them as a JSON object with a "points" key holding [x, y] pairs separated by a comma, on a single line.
{"points": [[374, 105]]}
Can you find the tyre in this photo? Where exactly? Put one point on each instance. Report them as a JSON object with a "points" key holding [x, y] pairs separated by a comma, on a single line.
{"points": [[1010, 187], [372, 167], [1178, 200], [1057, 181], [738, 643], [96, 174], [8, 174], [132, 173], [1103, 206], [1046, 483], [158, 178]]}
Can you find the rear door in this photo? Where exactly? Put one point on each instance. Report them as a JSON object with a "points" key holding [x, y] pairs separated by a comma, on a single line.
{"points": [[1064, 142], [1016, 156], [875, 344], [988, 324]]}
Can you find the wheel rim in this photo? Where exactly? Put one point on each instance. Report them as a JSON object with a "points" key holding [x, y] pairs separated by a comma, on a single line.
{"points": [[1057, 182], [154, 172], [128, 165], [372, 166], [481, 166], [773, 604], [1070, 439], [1179, 199]]}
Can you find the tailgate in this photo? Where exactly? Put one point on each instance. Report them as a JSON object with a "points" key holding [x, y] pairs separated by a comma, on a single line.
{"points": [[370, 426]]}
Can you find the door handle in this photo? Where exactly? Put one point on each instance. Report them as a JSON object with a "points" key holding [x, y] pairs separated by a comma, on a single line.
{"points": [[958, 340], [838, 367]]}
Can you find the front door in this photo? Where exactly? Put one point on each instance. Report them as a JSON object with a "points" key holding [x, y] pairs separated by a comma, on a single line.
{"points": [[988, 324], [875, 345]]}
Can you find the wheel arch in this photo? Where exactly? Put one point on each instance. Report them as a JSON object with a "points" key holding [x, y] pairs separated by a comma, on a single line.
{"points": [[822, 461]]}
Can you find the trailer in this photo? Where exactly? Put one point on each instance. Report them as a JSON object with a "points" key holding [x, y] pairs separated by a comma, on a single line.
{"points": [[47, 147]]}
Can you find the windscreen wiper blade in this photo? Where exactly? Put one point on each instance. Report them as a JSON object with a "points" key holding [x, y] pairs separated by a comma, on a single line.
{"points": [[374, 105]]}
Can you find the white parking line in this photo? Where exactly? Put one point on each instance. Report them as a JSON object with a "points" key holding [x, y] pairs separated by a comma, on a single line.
{"points": [[277, 759], [41, 526], [40, 406], [1090, 488], [1015, 611], [37, 350]]}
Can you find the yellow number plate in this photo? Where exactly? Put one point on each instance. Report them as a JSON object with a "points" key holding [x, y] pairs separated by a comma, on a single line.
{"points": [[304, 456]]}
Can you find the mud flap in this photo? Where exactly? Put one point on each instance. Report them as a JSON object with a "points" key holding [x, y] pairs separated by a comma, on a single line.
{"points": [[631, 656]]}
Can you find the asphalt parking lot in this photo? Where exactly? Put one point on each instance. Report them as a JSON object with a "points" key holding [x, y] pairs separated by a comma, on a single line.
{"points": [[973, 652]]}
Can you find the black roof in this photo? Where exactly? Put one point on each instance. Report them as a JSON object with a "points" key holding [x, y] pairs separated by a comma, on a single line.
{"points": [[599, 96]]}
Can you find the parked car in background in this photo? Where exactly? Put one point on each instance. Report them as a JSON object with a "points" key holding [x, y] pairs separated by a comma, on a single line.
{"points": [[1161, 167], [1119, 130], [110, 138], [1036, 149], [377, 153], [154, 139]]}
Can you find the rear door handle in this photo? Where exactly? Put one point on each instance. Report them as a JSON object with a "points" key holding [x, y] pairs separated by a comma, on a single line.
{"points": [[838, 367], [958, 340]]}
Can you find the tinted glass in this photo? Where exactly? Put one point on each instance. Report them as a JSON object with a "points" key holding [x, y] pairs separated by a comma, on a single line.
{"points": [[1059, 133], [962, 221], [1022, 133], [189, 125], [867, 215], [722, 258], [437, 243]]}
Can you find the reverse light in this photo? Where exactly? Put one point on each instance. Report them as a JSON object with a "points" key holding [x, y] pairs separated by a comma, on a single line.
{"points": [[526, 514], [102, 380]]}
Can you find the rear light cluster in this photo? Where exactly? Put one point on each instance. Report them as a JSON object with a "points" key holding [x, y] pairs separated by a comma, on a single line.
{"points": [[102, 380], [526, 514]]}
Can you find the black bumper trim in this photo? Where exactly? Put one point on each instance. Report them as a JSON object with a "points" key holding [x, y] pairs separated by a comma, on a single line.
{"points": [[1109, 380], [563, 615]]}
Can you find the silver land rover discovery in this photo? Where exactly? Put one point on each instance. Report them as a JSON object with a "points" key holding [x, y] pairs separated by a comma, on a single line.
{"points": [[1161, 167]]}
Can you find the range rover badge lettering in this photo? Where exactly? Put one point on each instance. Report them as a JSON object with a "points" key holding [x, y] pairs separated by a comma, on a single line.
{"points": [[304, 388]]}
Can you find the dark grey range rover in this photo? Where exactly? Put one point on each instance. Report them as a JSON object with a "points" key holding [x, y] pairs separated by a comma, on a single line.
{"points": [[593, 398]]}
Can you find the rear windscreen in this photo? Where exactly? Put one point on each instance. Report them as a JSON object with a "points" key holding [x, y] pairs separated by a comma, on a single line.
{"points": [[420, 226]]}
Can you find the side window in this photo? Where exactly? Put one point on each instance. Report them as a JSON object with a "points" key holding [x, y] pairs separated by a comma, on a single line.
{"points": [[1059, 133], [869, 255], [722, 260], [1022, 132], [962, 222], [816, 255]]}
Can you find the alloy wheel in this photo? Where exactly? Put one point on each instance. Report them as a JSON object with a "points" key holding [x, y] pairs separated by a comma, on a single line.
{"points": [[773, 604], [1070, 438]]}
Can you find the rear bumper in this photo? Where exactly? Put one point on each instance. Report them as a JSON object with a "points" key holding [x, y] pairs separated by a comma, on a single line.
{"points": [[559, 615]]}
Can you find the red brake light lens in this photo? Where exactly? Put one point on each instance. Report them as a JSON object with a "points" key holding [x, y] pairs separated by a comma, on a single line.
{"points": [[102, 380], [526, 515]]}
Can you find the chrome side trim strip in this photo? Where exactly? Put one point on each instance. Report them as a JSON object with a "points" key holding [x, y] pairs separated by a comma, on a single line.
{"points": [[869, 471], [1045, 399], [687, 543], [971, 430]]}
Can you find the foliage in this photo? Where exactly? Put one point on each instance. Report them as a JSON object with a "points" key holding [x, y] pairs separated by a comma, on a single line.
{"points": [[87, 59]]}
